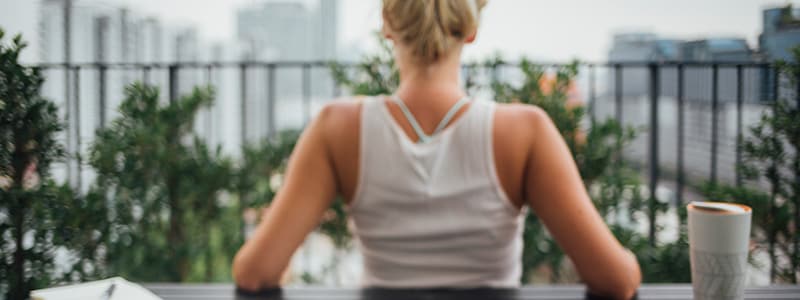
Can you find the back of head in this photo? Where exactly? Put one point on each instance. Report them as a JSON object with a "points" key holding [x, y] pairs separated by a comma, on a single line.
{"points": [[431, 28]]}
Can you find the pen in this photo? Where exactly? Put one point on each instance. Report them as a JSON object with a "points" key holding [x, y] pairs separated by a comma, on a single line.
{"points": [[107, 294]]}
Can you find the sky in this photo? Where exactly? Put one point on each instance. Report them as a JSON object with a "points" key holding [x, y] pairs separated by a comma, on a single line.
{"points": [[555, 30]]}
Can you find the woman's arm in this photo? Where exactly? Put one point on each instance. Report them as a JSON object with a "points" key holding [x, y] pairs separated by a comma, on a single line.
{"points": [[308, 190], [556, 193]]}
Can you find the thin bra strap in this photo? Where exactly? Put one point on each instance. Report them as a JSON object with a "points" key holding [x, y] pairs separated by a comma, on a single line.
{"points": [[450, 114], [423, 137]]}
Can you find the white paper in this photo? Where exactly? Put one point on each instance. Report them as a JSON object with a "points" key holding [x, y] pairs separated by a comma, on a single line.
{"points": [[96, 290]]}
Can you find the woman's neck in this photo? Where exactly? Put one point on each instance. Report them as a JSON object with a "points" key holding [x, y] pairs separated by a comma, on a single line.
{"points": [[436, 82]]}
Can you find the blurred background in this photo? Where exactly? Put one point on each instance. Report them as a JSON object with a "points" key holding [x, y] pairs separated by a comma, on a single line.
{"points": [[668, 94]]}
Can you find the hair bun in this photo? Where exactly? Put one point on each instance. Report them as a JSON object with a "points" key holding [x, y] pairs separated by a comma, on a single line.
{"points": [[431, 27]]}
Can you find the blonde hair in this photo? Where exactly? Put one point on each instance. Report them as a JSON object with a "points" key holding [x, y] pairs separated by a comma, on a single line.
{"points": [[432, 27]]}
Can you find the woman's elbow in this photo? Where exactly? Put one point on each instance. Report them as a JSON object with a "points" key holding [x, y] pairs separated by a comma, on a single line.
{"points": [[622, 284], [636, 272], [248, 275], [247, 283], [627, 288], [626, 284], [243, 275]]}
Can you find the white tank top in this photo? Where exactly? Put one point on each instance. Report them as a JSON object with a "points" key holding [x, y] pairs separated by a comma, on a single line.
{"points": [[434, 214]]}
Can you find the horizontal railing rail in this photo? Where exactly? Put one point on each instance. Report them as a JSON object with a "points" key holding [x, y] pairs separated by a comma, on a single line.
{"points": [[318, 63]]}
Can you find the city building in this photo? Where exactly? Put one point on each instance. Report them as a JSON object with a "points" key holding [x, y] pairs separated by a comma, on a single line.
{"points": [[718, 50], [289, 30], [781, 33], [643, 46]]}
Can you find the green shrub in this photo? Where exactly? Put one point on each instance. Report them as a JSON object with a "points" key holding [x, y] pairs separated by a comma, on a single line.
{"points": [[38, 217]]}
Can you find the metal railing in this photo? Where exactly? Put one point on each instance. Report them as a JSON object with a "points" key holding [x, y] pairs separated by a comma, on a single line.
{"points": [[747, 86]]}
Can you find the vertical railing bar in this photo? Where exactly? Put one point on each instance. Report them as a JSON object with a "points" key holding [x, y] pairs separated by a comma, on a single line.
{"points": [[209, 74], [68, 119], [592, 91], [209, 111], [776, 83], [77, 127], [797, 182], [653, 166], [337, 90], [243, 135], [772, 234], [173, 82], [739, 112], [618, 92], [714, 116], [102, 99], [146, 75], [271, 101], [243, 103], [681, 125], [765, 83], [797, 88], [67, 32], [306, 94]]}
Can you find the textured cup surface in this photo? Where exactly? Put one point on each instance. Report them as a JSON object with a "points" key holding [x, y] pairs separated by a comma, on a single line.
{"points": [[718, 242]]}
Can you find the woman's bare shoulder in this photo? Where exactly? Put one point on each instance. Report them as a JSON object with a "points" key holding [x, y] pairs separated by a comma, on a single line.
{"points": [[342, 114], [343, 107], [340, 125], [519, 119]]}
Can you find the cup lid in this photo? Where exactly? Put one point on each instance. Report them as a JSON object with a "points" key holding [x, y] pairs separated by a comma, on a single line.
{"points": [[720, 206]]}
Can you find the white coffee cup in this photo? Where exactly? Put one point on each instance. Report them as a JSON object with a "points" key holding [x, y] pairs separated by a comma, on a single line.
{"points": [[719, 236]]}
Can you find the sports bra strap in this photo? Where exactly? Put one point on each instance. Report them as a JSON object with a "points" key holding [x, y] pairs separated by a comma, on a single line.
{"points": [[423, 137]]}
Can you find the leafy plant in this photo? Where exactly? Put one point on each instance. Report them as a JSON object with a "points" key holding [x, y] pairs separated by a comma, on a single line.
{"points": [[166, 190], [262, 164], [772, 154], [38, 217]]}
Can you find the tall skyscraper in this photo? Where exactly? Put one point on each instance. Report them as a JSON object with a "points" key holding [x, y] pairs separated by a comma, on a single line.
{"points": [[781, 34], [289, 30], [328, 15]]}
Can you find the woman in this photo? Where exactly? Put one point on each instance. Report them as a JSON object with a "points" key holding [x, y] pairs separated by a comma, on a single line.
{"points": [[436, 184]]}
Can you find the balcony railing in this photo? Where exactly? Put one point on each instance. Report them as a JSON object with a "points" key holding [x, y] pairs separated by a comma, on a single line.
{"points": [[694, 115]]}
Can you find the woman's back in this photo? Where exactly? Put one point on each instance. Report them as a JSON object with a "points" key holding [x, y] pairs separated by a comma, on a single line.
{"points": [[433, 214]]}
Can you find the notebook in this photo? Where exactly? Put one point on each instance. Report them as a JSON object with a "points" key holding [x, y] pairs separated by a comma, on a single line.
{"points": [[96, 290]]}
